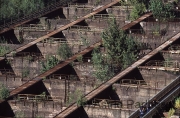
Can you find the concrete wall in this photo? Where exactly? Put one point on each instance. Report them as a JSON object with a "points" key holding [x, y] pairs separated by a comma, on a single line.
{"points": [[73, 13], [157, 77], [21, 64], [52, 48], [11, 82], [99, 2], [75, 34], [96, 112], [56, 23], [119, 11], [48, 48], [103, 22], [131, 96], [31, 109], [154, 25], [57, 87], [172, 57]]}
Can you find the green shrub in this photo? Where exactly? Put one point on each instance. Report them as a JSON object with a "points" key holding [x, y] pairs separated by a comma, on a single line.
{"points": [[160, 10], [25, 72], [4, 92], [137, 11], [64, 51], [4, 49], [50, 62], [119, 46], [77, 97]]}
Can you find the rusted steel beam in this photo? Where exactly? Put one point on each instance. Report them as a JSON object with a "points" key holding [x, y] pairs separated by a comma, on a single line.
{"points": [[61, 65], [64, 27], [108, 83], [30, 19], [39, 78], [133, 23]]}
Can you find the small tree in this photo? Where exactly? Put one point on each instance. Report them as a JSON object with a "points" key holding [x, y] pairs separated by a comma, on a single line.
{"points": [[4, 49], [25, 72], [137, 11], [160, 10], [50, 62], [102, 69], [80, 58], [119, 46], [64, 51], [84, 40], [4, 92], [77, 97]]}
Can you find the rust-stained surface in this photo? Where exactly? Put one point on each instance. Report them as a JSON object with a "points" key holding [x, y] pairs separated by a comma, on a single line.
{"points": [[61, 65], [137, 21], [104, 86], [26, 21], [26, 85], [63, 27]]}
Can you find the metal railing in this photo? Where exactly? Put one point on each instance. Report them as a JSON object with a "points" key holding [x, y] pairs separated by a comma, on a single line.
{"points": [[35, 14], [160, 63], [132, 81], [33, 97]]}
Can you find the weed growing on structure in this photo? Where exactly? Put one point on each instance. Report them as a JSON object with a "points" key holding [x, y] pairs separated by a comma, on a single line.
{"points": [[4, 49], [160, 10], [137, 11], [19, 114], [29, 58], [77, 97], [121, 49], [50, 62], [102, 69], [64, 51], [80, 58], [84, 40], [4, 92], [97, 2], [25, 72]]}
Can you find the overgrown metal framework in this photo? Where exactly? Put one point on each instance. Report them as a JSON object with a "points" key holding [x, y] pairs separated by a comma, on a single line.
{"points": [[18, 51], [87, 50], [107, 83], [17, 22]]}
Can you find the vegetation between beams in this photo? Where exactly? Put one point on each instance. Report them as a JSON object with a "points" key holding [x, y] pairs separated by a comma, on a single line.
{"points": [[50, 62], [161, 10], [121, 49], [4, 92], [64, 51]]}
